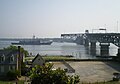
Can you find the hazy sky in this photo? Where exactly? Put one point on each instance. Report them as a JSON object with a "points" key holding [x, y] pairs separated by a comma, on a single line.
{"points": [[50, 18]]}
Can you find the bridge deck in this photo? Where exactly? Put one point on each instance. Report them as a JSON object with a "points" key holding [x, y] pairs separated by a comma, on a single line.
{"points": [[104, 34]]}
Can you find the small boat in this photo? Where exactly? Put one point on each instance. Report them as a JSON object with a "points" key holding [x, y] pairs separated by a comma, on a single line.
{"points": [[32, 42]]}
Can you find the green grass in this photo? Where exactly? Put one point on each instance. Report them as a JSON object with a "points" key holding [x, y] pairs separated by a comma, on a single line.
{"points": [[50, 58], [29, 58], [11, 82], [22, 82], [56, 57]]}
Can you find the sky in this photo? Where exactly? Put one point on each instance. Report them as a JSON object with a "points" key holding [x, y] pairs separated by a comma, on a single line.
{"points": [[51, 18]]}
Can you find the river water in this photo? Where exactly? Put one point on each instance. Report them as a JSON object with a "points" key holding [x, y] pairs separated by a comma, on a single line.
{"points": [[78, 51]]}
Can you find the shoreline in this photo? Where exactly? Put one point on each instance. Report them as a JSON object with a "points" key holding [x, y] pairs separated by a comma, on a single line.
{"points": [[71, 58]]}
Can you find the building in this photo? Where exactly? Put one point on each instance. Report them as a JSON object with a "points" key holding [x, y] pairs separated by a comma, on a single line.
{"points": [[10, 60], [38, 60]]}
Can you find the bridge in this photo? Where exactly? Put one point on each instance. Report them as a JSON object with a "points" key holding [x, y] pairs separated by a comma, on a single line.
{"points": [[90, 39]]}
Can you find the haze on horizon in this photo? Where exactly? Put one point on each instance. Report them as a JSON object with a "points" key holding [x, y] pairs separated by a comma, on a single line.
{"points": [[50, 18]]}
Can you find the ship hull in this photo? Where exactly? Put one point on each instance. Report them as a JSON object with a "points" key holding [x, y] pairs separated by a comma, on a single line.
{"points": [[48, 43]]}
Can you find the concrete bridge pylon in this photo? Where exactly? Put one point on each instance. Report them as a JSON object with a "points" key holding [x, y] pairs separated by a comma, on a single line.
{"points": [[104, 49], [93, 48]]}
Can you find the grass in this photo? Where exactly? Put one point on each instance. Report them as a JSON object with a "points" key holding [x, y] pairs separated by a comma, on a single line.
{"points": [[22, 82], [47, 58], [11, 82], [29, 58], [56, 57], [109, 82]]}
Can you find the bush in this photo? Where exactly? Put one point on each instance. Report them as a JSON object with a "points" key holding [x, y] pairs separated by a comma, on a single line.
{"points": [[12, 75], [45, 75]]}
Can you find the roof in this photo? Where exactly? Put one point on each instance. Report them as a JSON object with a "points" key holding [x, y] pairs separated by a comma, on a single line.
{"points": [[8, 52], [37, 57]]}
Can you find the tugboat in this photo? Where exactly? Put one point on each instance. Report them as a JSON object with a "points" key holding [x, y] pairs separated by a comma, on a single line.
{"points": [[33, 41]]}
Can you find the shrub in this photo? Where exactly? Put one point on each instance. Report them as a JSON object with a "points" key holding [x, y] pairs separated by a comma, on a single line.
{"points": [[12, 75], [45, 75]]}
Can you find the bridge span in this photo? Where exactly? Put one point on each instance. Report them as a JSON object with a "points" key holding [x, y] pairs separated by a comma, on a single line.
{"points": [[90, 39]]}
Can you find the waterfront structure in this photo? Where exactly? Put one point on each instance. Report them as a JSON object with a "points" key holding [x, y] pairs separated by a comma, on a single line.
{"points": [[10, 60], [91, 39]]}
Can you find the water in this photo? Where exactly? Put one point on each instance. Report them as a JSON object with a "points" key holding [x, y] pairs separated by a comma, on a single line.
{"points": [[78, 51]]}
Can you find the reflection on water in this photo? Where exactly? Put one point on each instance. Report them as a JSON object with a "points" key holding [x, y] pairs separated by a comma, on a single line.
{"points": [[78, 51]]}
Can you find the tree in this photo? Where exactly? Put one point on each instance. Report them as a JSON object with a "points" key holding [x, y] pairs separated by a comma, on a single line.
{"points": [[11, 47], [23, 68], [45, 75]]}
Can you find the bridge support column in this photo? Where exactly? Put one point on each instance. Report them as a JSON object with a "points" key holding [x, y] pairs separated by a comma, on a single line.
{"points": [[104, 49], [118, 54], [93, 48], [86, 42], [79, 40]]}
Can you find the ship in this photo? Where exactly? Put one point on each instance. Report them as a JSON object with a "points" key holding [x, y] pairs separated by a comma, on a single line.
{"points": [[33, 41]]}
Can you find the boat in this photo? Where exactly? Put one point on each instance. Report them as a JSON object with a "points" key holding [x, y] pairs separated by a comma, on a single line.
{"points": [[33, 41]]}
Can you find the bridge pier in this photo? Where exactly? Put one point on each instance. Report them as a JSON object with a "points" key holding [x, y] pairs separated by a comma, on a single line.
{"points": [[119, 50], [104, 49], [79, 40], [118, 54], [93, 48], [86, 42]]}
